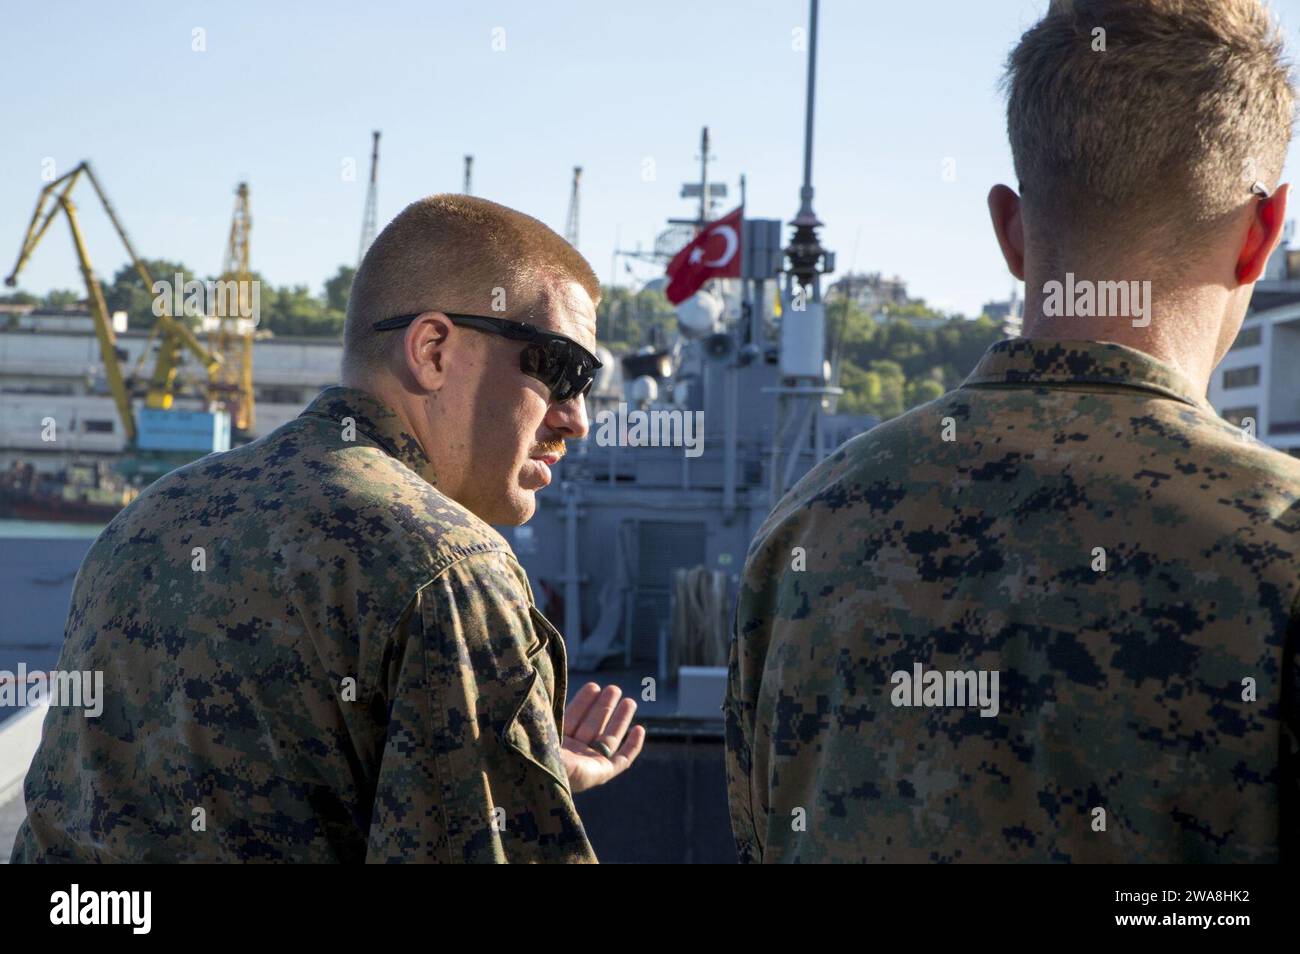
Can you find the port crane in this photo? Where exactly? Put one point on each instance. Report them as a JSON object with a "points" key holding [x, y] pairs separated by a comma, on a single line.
{"points": [[571, 223], [173, 335], [232, 336], [369, 220]]}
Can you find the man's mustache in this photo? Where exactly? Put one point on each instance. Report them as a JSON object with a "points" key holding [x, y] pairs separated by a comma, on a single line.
{"points": [[554, 448]]}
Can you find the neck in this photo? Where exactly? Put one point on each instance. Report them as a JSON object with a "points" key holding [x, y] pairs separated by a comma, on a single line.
{"points": [[1182, 327], [391, 393]]}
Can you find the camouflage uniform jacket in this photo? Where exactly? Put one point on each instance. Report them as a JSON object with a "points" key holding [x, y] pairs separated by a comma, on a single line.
{"points": [[1077, 520], [309, 654]]}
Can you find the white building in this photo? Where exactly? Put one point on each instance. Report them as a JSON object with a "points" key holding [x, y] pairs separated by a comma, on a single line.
{"points": [[871, 292], [1008, 314], [1259, 379], [53, 369]]}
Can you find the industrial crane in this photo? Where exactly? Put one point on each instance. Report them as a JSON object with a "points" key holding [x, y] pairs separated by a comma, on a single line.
{"points": [[232, 336], [175, 335], [369, 220], [571, 224]]}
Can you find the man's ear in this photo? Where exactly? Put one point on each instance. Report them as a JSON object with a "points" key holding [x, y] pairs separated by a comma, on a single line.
{"points": [[425, 348], [1263, 235], [1004, 209]]}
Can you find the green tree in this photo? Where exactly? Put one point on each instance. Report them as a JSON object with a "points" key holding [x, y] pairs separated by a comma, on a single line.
{"points": [[338, 288], [861, 390], [61, 298], [887, 380], [627, 319], [19, 298], [891, 364], [923, 390], [297, 312], [127, 292]]}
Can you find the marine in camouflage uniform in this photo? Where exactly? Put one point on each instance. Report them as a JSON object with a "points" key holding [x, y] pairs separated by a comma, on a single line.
{"points": [[1093, 531], [308, 642]]}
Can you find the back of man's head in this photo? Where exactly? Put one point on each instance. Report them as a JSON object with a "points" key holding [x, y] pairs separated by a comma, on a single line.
{"points": [[453, 253], [1141, 124]]}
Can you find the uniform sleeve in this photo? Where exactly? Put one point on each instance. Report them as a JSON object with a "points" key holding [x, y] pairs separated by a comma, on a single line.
{"points": [[1289, 809], [471, 768], [738, 715]]}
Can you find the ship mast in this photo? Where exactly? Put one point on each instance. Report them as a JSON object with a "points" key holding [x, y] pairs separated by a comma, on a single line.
{"points": [[805, 250], [704, 176], [804, 388], [709, 192]]}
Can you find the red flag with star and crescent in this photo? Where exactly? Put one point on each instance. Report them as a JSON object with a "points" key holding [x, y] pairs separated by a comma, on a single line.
{"points": [[714, 253]]}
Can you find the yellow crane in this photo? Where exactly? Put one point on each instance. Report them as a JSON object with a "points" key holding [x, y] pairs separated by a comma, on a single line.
{"points": [[175, 335], [232, 336]]}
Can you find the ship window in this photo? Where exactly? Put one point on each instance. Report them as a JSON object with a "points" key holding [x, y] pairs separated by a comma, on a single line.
{"points": [[97, 427], [280, 395], [1248, 338], [1236, 415], [1241, 377]]}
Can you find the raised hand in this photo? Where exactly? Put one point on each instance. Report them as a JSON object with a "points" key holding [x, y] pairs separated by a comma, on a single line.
{"points": [[597, 744]]}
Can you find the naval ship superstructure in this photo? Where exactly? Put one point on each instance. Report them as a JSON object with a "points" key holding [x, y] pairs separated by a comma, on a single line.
{"points": [[637, 556]]}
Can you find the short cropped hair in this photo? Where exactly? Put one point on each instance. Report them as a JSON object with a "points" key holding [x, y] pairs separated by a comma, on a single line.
{"points": [[1156, 126], [454, 253]]}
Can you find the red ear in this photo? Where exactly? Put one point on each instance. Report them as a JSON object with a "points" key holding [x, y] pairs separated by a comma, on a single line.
{"points": [[1263, 235], [1004, 210]]}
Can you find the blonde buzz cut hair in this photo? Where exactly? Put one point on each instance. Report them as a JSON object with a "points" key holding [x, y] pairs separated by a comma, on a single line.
{"points": [[454, 253], [1146, 120]]}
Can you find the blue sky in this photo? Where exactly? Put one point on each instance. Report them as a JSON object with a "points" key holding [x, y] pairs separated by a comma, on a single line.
{"points": [[286, 92]]}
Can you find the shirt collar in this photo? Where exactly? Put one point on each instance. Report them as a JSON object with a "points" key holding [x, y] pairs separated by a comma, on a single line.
{"points": [[1045, 362], [377, 421]]}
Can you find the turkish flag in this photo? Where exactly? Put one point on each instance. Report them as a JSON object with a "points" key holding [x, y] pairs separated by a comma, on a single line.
{"points": [[714, 253]]}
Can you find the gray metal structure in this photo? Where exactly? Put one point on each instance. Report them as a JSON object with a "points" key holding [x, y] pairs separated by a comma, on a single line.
{"points": [[370, 215], [602, 553], [571, 222]]}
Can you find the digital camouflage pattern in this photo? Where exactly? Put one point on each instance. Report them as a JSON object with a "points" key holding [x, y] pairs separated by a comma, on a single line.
{"points": [[1120, 688], [330, 557]]}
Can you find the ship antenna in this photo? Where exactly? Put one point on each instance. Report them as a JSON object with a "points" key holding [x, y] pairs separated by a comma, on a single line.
{"points": [[805, 250]]}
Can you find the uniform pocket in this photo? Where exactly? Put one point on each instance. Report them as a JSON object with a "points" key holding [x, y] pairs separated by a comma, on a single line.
{"points": [[556, 665], [532, 733], [533, 729]]}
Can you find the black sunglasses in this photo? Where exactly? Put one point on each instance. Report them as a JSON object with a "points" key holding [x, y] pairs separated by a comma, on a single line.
{"points": [[564, 366]]}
